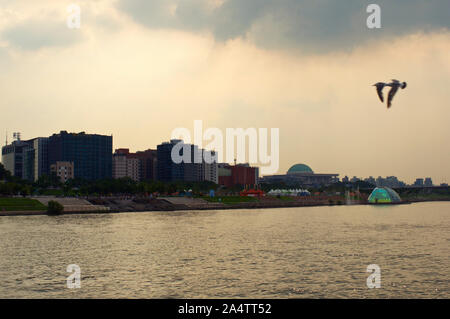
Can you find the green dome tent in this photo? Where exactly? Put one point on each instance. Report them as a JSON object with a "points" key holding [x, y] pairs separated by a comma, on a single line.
{"points": [[384, 195]]}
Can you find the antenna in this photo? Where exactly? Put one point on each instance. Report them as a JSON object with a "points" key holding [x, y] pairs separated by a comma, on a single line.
{"points": [[16, 136]]}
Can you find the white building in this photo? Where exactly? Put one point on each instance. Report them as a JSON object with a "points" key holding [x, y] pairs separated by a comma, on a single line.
{"points": [[126, 166], [210, 171]]}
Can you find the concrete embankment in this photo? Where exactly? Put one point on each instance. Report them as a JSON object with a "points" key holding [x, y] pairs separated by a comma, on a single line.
{"points": [[186, 203], [72, 204], [122, 205]]}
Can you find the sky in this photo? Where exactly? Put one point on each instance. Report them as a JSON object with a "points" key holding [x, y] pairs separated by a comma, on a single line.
{"points": [[138, 69]]}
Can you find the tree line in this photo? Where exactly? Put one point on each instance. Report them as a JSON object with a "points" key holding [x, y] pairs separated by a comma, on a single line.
{"points": [[52, 185]]}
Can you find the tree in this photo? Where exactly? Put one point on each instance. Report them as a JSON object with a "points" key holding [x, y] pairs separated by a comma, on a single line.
{"points": [[51, 180], [54, 208], [4, 174]]}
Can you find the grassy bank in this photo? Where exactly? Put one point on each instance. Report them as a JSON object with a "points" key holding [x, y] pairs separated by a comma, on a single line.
{"points": [[20, 204]]}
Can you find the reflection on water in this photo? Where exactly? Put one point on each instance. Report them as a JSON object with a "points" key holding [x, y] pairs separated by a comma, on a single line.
{"points": [[281, 253]]}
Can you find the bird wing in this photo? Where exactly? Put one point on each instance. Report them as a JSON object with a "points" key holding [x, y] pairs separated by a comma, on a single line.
{"points": [[391, 94], [380, 92]]}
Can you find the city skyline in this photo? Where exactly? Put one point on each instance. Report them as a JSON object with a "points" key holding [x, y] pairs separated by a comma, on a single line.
{"points": [[143, 164], [138, 74], [208, 153]]}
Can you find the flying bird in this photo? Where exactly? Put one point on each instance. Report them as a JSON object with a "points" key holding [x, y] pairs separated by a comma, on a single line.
{"points": [[395, 84], [380, 86]]}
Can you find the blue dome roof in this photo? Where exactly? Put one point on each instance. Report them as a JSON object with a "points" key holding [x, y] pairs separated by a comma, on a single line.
{"points": [[300, 168]]}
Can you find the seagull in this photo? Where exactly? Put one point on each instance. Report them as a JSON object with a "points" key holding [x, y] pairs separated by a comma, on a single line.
{"points": [[380, 86], [395, 84], [394, 88]]}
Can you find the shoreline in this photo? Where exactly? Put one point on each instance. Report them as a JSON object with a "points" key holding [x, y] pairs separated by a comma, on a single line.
{"points": [[212, 207]]}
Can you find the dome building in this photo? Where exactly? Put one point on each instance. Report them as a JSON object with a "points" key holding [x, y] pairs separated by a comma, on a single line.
{"points": [[384, 195], [301, 174], [299, 168]]}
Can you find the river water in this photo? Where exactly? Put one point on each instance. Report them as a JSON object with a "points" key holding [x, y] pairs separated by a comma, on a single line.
{"points": [[308, 252]]}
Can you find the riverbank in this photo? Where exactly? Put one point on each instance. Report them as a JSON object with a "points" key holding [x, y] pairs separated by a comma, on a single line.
{"points": [[124, 205]]}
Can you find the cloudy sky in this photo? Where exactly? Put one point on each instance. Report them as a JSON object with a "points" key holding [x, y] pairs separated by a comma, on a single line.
{"points": [[137, 69]]}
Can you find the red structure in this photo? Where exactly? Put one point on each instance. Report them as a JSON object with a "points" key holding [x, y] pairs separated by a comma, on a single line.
{"points": [[252, 192], [241, 174]]}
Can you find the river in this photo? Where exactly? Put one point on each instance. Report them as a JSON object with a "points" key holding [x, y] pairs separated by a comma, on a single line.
{"points": [[304, 252]]}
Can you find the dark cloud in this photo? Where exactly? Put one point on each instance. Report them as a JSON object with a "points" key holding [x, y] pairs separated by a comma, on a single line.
{"points": [[36, 34], [322, 25]]}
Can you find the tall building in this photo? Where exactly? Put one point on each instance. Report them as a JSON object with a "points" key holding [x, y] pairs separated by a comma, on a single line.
{"points": [[22, 158], [418, 182], [168, 170], [193, 167], [148, 164], [134, 168], [28, 159], [91, 154], [139, 166], [36, 159], [125, 165], [12, 157], [211, 167], [428, 182]]}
